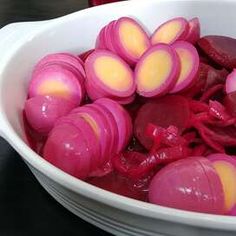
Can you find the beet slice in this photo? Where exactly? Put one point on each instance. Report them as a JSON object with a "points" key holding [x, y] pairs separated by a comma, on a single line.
{"points": [[223, 135], [198, 87], [207, 78], [171, 31], [157, 71], [230, 85], [204, 133], [211, 92], [170, 110], [218, 111], [220, 49], [230, 103], [215, 77], [136, 165]]}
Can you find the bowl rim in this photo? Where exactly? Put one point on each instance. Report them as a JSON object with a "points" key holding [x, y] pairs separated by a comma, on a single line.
{"points": [[87, 190]]}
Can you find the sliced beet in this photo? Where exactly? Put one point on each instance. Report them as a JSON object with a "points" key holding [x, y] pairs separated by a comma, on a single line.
{"points": [[197, 87], [204, 133], [220, 49], [218, 111], [212, 92], [230, 84], [230, 103], [170, 110], [208, 77], [215, 77], [168, 137], [137, 165], [226, 136]]}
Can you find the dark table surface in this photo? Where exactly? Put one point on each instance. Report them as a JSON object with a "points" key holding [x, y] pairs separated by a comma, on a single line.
{"points": [[25, 207]]}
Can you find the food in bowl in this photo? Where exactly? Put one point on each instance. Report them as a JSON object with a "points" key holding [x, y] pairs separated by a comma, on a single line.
{"points": [[148, 117]]}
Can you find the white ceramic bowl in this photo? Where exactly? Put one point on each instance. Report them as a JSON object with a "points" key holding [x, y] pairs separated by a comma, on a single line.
{"points": [[22, 44]]}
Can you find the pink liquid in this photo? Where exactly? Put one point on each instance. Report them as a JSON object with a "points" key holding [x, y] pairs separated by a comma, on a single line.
{"points": [[113, 182]]}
